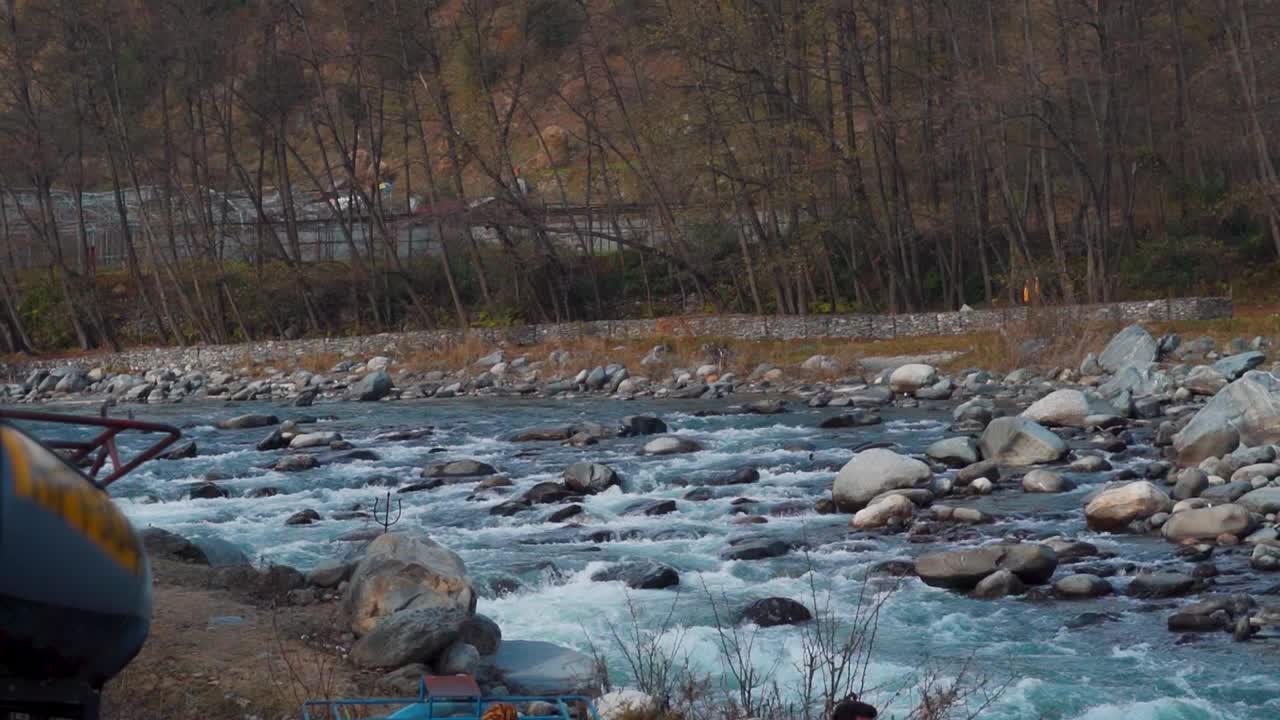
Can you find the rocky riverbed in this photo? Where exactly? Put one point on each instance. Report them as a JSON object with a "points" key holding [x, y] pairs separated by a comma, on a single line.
{"points": [[1105, 533]]}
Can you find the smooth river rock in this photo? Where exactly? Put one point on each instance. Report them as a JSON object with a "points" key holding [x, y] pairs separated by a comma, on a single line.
{"points": [[1208, 523], [1018, 441], [1115, 508], [964, 569], [872, 472]]}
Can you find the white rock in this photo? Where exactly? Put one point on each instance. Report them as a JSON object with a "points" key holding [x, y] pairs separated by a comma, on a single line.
{"points": [[881, 512], [872, 472], [912, 377], [1115, 508]]}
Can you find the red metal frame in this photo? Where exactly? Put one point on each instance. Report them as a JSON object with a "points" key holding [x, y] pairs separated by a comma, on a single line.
{"points": [[104, 443]]}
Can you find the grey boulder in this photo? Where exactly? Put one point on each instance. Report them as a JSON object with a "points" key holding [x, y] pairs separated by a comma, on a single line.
{"points": [[1018, 441]]}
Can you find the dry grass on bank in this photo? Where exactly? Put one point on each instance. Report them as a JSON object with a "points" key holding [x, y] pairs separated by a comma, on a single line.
{"points": [[1062, 343]]}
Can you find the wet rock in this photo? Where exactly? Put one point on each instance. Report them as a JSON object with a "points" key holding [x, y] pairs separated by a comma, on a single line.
{"points": [[646, 575], [296, 463], [744, 476], [460, 469], [182, 451], [303, 517], [1046, 481], [565, 513], [1162, 585], [530, 667], [509, 508], [545, 434], [545, 493], [634, 425], [313, 439], [1082, 586], [403, 435], [1115, 508], [858, 418], [1090, 619], [1017, 441], [872, 472], [670, 445], [207, 491], [1187, 622], [775, 611], [964, 569], [651, 508], [590, 478], [755, 548], [275, 441], [244, 422], [998, 584]]}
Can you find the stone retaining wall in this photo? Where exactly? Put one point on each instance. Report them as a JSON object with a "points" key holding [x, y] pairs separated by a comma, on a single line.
{"points": [[747, 327]]}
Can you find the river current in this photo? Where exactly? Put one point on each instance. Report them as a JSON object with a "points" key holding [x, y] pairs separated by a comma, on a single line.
{"points": [[1124, 665]]}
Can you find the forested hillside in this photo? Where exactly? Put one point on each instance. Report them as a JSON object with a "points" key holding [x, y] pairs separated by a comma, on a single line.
{"points": [[183, 171]]}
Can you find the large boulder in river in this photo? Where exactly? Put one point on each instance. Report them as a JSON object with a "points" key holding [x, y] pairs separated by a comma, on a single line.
{"points": [[1245, 412], [374, 386], [401, 572], [416, 634], [640, 575], [1132, 346], [590, 478], [1067, 408], [875, 471], [529, 667], [774, 611], [912, 376], [670, 445], [1032, 563], [1018, 441], [1208, 523], [1115, 508]]}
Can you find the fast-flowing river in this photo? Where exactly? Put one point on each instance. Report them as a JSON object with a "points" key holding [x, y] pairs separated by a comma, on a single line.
{"points": [[1085, 660]]}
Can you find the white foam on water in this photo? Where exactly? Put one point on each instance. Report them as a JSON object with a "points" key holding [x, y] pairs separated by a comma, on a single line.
{"points": [[1164, 709]]}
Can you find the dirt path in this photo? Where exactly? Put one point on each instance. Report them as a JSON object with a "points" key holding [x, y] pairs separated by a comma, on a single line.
{"points": [[215, 654]]}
